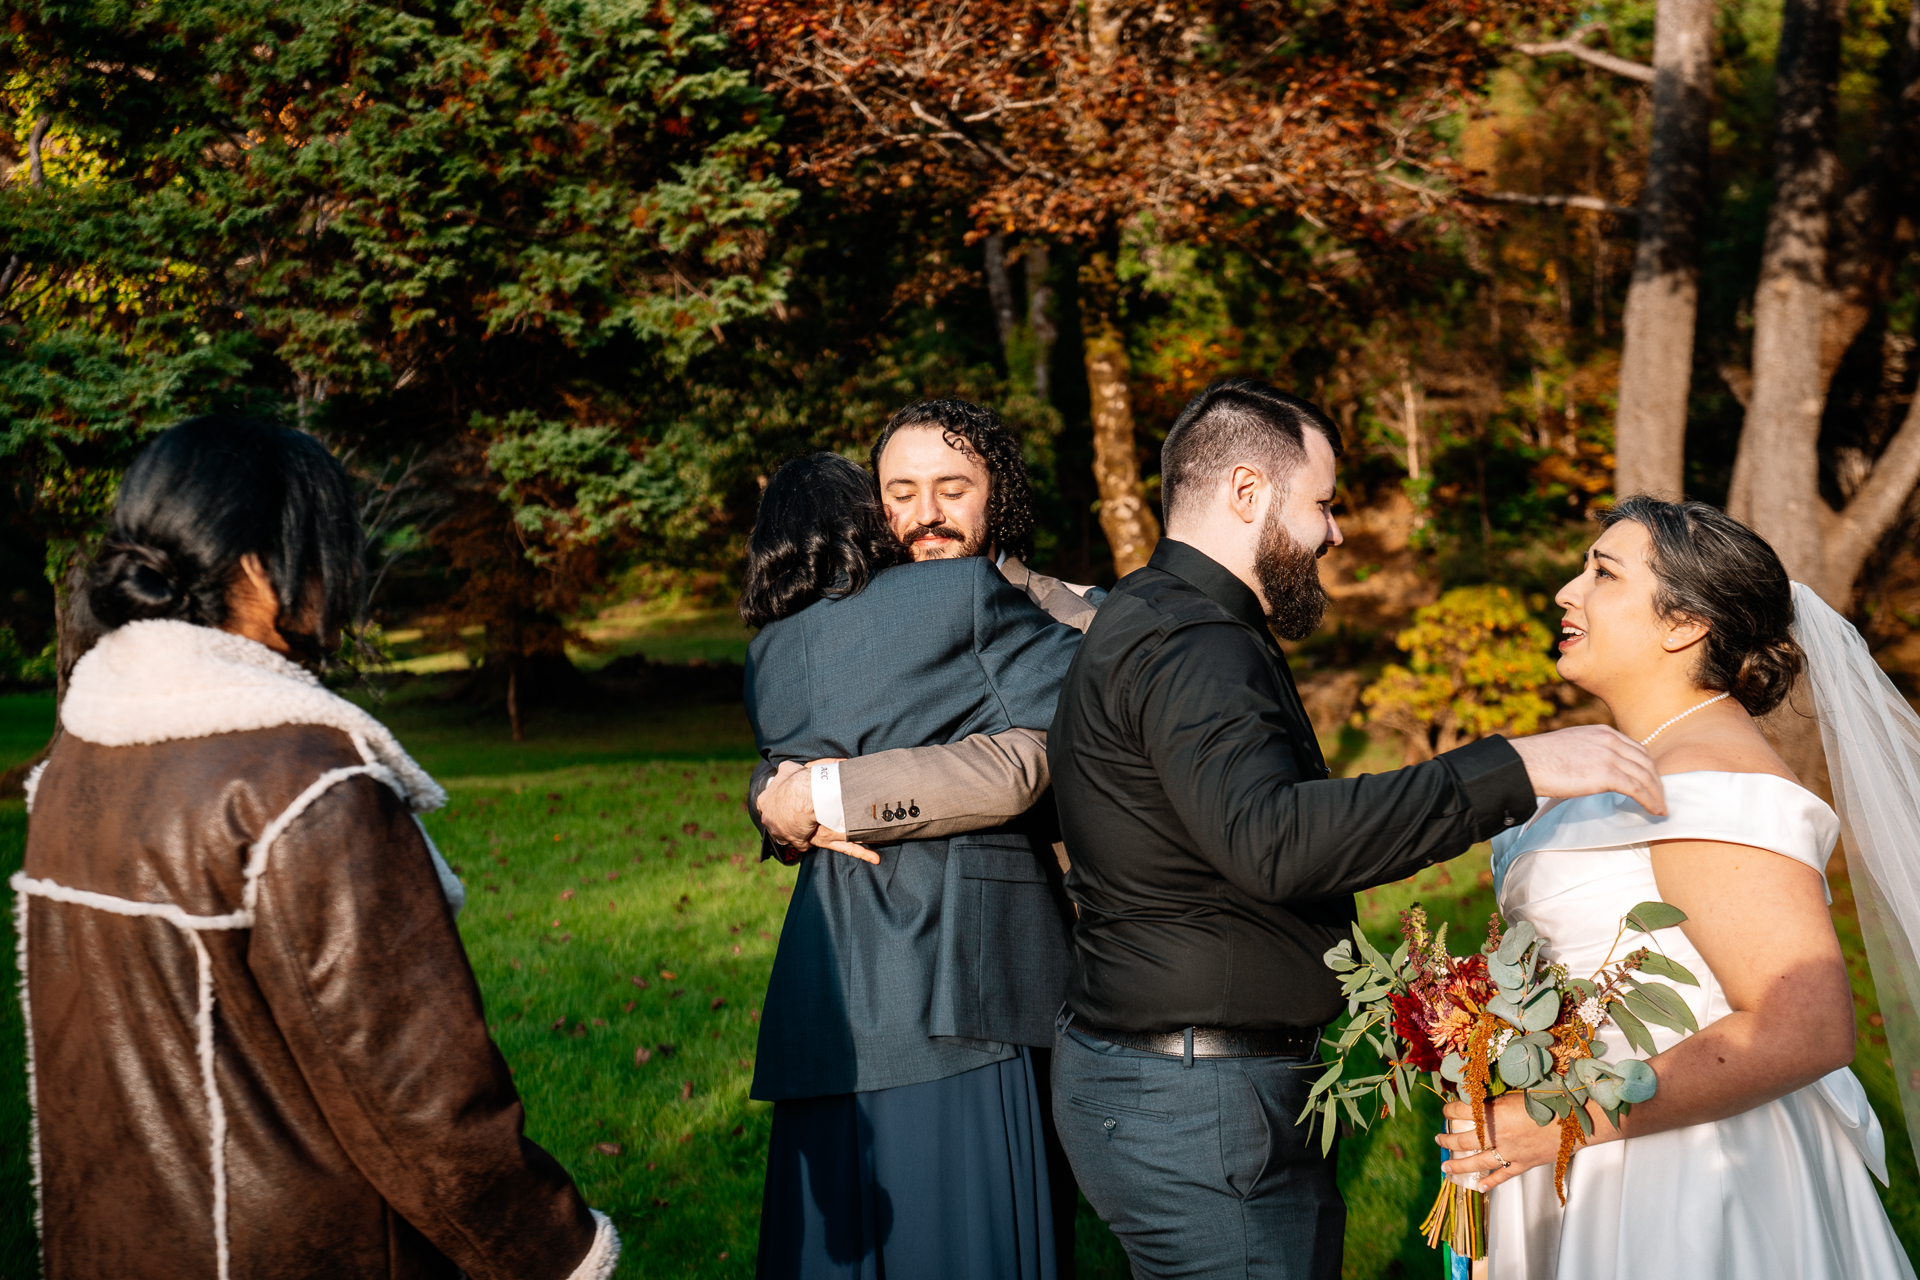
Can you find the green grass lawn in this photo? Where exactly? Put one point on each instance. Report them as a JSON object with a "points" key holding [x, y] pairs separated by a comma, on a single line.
{"points": [[616, 904]]}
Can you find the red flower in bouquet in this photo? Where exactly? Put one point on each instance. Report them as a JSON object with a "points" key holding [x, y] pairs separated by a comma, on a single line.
{"points": [[1412, 1023]]}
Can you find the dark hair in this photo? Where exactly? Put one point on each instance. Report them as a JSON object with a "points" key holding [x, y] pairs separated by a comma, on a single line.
{"points": [[1237, 420], [821, 532], [216, 488], [1714, 570], [978, 431]]}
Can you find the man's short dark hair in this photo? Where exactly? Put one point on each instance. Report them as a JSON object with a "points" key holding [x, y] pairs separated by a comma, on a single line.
{"points": [[979, 431], [1237, 420]]}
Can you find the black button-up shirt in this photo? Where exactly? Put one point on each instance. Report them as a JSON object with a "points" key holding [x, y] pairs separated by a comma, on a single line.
{"points": [[1214, 860]]}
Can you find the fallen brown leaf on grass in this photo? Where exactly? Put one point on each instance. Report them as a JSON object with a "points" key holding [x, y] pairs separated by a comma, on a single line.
{"points": [[686, 1090], [608, 1148], [719, 1002], [642, 1056], [641, 982]]}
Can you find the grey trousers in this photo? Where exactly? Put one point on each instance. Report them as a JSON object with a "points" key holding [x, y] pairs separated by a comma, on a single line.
{"points": [[1200, 1170]]}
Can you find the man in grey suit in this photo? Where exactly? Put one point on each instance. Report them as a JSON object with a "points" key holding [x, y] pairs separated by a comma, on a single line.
{"points": [[954, 485]]}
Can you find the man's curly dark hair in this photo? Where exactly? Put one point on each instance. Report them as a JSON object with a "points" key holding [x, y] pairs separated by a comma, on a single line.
{"points": [[978, 431]]}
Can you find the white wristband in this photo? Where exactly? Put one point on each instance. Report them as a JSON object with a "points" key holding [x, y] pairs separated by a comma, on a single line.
{"points": [[828, 808]]}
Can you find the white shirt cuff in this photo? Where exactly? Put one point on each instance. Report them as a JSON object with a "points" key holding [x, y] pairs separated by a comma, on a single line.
{"points": [[828, 808]]}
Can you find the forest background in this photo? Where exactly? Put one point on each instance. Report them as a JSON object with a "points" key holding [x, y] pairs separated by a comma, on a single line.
{"points": [[565, 282]]}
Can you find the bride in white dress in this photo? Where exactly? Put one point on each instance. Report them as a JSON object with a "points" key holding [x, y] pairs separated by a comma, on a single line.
{"points": [[1756, 1155]]}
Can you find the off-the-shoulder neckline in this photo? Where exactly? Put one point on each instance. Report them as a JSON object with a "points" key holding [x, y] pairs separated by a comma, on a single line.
{"points": [[1617, 797]]}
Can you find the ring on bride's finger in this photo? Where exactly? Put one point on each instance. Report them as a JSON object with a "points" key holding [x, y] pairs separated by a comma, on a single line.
{"points": [[1504, 1162]]}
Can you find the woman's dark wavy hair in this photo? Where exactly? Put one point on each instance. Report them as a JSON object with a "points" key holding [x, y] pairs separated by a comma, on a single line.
{"points": [[821, 532], [1712, 569], [219, 487], [973, 429]]}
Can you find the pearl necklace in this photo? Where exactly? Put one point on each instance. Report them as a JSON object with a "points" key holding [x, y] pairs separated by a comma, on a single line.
{"points": [[1683, 715]]}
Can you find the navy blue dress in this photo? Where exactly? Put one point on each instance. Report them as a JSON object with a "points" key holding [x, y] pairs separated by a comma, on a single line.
{"points": [[904, 998]]}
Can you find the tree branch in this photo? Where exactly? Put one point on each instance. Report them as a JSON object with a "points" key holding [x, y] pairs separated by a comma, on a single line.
{"points": [[1877, 503], [1552, 202], [35, 171], [1575, 43]]}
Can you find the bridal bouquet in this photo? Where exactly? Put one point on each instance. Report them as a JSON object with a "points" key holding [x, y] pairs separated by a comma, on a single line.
{"points": [[1499, 1020]]}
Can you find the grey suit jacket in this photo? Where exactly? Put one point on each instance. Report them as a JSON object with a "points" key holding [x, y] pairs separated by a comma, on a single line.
{"points": [[949, 952]]}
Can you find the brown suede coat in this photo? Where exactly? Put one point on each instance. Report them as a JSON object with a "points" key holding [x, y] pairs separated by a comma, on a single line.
{"points": [[371, 1127]]}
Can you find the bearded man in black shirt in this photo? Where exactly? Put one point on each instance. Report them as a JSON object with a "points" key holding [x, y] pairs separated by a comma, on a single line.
{"points": [[1214, 860]]}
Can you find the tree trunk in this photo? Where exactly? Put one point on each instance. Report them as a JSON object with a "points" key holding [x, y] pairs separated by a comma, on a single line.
{"points": [[1034, 258], [1000, 289], [1777, 470], [1124, 515], [1656, 362], [1862, 260], [1776, 475]]}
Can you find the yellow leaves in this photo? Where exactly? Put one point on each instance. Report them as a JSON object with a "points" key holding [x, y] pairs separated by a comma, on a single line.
{"points": [[1476, 658]]}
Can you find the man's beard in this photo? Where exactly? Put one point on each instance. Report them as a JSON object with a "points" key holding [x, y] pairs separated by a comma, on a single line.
{"points": [[1290, 579], [946, 543]]}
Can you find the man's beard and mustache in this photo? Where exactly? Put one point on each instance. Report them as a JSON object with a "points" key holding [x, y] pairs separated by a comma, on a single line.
{"points": [[1290, 579], [944, 542]]}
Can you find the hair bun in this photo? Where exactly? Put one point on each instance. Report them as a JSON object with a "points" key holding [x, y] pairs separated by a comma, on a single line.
{"points": [[134, 581], [1766, 675]]}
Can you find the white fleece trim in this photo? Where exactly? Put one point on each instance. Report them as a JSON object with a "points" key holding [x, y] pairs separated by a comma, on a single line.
{"points": [[23, 884], [33, 1093], [216, 1110], [257, 855], [160, 681], [33, 782], [605, 1253]]}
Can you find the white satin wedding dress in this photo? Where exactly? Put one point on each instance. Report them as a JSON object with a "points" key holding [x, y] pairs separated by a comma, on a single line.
{"points": [[1779, 1191]]}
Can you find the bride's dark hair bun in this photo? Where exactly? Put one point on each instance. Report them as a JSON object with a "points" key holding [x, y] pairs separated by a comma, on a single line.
{"points": [[216, 488], [1713, 569]]}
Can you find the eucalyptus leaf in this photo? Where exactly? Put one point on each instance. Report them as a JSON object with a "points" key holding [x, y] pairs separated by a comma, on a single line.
{"points": [[1400, 957], [1580, 1115], [1505, 1010], [1586, 989], [1638, 1082], [1507, 977], [1655, 963], [1515, 943], [1453, 1067], [1586, 1070], [1605, 1090], [1339, 956], [1648, 1009], [1669, 1002], [1542, 1010], [1542, 1113], [1561, 1105], [1329, 1118], [1542, 1038], [1638, 1037], [1516, 1065], [1649, 916]]}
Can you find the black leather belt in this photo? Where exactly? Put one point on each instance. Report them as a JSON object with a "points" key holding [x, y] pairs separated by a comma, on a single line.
{"points": [[1214, 1042]]}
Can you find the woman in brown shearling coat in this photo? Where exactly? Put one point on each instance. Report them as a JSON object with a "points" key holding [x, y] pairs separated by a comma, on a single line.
{"points": [[256, 1048]]}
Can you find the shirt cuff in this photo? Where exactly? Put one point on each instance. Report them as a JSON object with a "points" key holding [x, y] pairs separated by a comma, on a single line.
{"points": [[829, 810], [1495, 781]]}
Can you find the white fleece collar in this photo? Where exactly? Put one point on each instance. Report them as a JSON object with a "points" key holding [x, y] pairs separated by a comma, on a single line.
{"points": [[161, 681]]}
